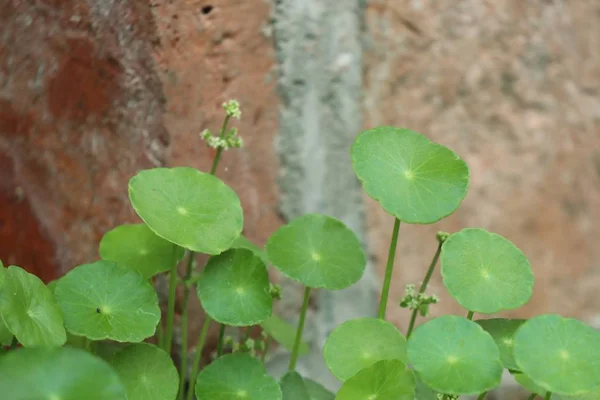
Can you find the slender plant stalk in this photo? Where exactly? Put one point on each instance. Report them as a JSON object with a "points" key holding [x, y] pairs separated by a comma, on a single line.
{"points": [[470, 315], [197, 357], [14, 342], [385, 291], [263, 356], [248, 332], [548, 396], [482, 396], [221, 340], [186, 288], [184, 325], [532, 397], [160, 334], [300, 329], [423, 287], [171, 308], [217, 158]]}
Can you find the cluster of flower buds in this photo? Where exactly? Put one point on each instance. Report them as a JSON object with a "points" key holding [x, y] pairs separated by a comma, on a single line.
{"points": [[232, 109], [275, 291], [414, 300], [230, 139], [446, 396], [249, 345]]}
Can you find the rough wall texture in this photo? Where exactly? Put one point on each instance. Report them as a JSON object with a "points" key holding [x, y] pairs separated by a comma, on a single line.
{"points": [[320, 59], [80, 112], [514, 87]]}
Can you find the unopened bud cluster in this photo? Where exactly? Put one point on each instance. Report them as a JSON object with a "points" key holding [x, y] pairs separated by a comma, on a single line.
{"points": [[446, 396], [230, 139], [252, 346], [232, 109], [417, 301], [275, 291]]}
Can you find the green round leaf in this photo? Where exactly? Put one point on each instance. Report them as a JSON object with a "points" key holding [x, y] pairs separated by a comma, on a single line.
{"points": [[195, 210], [29, 310], [414, 179], [317, 251], [103, 300], [57, 374], [137, 247], [147, 372], [384, 380], [283, 333], [503, 332], [360, 343], [485, 272], [316, 391], [562, 355], [530, 386], [293, 387], [234, 288], [455, 356], [234, 377]]}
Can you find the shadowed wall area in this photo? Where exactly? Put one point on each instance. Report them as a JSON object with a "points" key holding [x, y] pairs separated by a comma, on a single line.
{"points": [[93, 91]]}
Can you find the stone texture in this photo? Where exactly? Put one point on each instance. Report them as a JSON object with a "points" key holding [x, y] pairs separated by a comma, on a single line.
{"points": [[80, 112], [514, 88], [320, 59]]}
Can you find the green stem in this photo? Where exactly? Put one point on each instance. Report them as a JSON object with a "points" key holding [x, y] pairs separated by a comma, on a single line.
{"points": [[385, 291], [548, 396], [160, 334], [171, 308], [197, 357], [532, 396], [221, 340], [215, 163], [263, 356], [470, 315], [248, 332], [423, 287], [482, 396], [14, 342], [298, 339], [184, 326]]}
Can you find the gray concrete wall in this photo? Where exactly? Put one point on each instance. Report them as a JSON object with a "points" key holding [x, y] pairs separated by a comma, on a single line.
{"points": [[320, 65]]}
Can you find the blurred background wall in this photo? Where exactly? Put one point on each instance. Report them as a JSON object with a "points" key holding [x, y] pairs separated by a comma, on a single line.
{"points": [[92, 91]]}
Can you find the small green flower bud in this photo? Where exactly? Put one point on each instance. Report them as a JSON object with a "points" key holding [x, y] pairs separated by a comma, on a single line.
{"points": [[275, 291], [232, 109], [442, 236]]}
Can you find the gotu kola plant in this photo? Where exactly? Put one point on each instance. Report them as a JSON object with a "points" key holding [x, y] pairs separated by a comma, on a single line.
{"points": [[86, 335]]}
